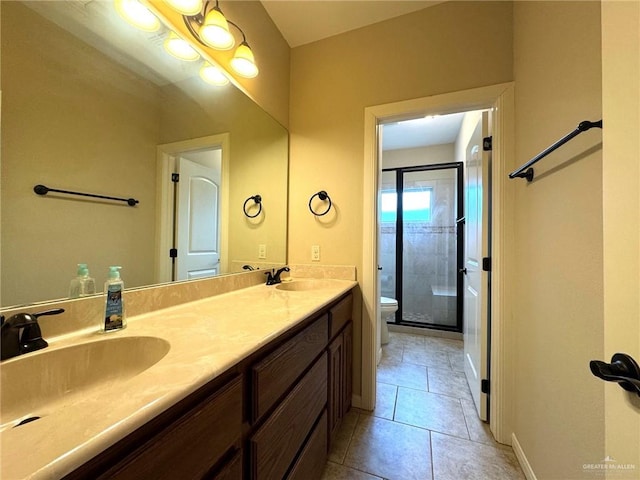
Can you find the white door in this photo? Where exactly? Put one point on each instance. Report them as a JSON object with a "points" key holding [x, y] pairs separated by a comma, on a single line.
{"points": [[198, 221], [476, 246]]}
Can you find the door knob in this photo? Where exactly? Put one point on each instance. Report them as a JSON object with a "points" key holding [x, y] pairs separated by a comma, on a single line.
{"points": [[622, 369], [463, 270]]}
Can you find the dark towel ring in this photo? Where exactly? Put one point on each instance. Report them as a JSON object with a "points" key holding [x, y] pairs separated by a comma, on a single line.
{"points": [[257, 199], [322, 195]]}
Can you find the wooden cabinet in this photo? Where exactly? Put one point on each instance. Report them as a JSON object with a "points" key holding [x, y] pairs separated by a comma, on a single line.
{"points": [[274, 375], [340, 364], [268, 418], [189, 446], [275, 445]]}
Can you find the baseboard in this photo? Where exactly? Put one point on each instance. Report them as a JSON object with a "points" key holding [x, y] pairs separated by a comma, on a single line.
{"points": [[356, 401], [379, 356], [522, 458]]}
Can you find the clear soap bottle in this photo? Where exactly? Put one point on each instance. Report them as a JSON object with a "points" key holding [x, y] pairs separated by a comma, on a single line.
{"points": [[75, 287], [114, 316], [87, 283]]}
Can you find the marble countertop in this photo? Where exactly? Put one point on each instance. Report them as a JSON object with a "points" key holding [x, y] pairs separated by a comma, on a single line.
{"points": [[207, 337]]}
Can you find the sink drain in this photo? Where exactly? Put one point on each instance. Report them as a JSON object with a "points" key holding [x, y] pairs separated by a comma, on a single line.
{"points": [[26, 420]]}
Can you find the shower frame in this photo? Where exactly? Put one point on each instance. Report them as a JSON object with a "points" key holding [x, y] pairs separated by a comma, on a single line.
{"points": [[459, 222]]}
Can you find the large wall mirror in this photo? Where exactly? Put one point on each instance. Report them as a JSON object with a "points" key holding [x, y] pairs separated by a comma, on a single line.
{"points": [[91, 104]]}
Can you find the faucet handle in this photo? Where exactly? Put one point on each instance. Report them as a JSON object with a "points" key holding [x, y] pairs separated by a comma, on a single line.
{"points": [[31, 338]]}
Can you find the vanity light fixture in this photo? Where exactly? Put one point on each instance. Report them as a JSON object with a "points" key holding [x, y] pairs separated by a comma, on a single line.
{"points": [[186, 7], [137, 15], [180, 48], [213, 75], [210, 27], [243, 62]]}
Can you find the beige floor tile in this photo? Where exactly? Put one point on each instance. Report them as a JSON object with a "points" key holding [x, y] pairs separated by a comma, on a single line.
{"points": [[390, 450], [478, 430], [392, 353], [458, 459], [333, 471], [456, 361], [444, 344], [403, 375], [406, 338], [385, 400], [343, 436], [448, 382], [430, 410], [429, 357]]}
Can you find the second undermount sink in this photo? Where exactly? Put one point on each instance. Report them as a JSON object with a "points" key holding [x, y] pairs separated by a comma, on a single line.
{"points": [[36, 384], [306, 284]]}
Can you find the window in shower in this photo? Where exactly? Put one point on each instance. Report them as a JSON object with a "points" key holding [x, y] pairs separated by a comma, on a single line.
{"points": [[420, 244]]}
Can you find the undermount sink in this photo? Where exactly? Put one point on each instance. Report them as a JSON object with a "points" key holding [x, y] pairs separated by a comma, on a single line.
{"points": [[304, 285], [36, 384]]}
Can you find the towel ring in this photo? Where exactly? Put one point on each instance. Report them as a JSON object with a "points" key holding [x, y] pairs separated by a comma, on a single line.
{"points": [[258, 200], [322, 195]]}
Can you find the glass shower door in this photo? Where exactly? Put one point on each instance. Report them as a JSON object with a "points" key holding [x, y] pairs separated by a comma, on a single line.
{"points": [[429, 247]]}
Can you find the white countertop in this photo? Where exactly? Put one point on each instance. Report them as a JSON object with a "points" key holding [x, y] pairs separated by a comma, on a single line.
{"points": [[207, 337]]}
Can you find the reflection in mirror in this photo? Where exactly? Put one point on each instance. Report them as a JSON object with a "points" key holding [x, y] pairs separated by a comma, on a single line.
{"points": [[81, 113]]}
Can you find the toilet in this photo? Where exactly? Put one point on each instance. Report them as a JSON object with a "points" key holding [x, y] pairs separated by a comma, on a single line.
{"points": [[388, 306]]}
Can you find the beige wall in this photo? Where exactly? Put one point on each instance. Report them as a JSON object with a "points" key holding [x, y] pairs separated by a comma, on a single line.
{"points": [[53, 121], [270, 89], [407, 157], [448, 47], [621, 184], [559, 411]]}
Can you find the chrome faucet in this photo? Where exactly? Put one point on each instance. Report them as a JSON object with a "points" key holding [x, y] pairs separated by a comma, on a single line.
{"points": [[273, 277], [16, 342]]}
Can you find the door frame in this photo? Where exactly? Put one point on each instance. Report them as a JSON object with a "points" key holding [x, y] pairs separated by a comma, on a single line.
{"points": [[165, 166], [501, 98]]}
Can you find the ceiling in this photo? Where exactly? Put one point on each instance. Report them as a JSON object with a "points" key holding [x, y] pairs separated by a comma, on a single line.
{"points": [[306, 21], [422, 132]]}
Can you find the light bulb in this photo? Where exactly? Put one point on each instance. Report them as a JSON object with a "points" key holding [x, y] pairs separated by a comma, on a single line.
{"points": [[186, 7], [213, 75], [243, 62], [180, 48], [137, 15], [215, 31]]}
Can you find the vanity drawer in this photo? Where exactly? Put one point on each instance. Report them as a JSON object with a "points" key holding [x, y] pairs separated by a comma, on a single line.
{"points": [[340, 315], [190, 447], [277, 442], [313, 458], [274, 375]]}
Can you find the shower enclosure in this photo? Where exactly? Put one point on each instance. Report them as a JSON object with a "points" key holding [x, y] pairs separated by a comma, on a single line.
{"points": [[421, 254]]}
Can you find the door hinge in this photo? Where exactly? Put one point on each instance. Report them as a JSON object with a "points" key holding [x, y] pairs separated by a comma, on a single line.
{"points": [[486, 264], [175, 177], [487, 144], [484, 386], [173, 253]]}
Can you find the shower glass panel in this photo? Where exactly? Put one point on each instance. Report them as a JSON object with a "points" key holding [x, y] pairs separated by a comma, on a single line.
{"points": [[388, 219], [429, 247]]}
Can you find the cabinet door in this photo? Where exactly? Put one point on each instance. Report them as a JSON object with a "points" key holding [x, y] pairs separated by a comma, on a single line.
{"points": [[347, 341], [335, 390]]}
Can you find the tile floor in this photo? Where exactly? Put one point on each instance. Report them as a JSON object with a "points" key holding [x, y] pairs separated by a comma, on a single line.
{"points": [[424, 426]]}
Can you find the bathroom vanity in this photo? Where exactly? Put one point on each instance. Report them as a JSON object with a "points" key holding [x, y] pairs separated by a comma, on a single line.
{"points": [[253, 386]]}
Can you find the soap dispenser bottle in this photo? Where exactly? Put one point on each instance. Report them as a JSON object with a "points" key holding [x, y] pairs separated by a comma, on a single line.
{"points": [[75, 287], [87, 283], [114, 316]]}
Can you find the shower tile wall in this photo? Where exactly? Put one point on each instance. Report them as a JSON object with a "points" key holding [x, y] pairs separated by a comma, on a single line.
{"points": [[429, 258]]}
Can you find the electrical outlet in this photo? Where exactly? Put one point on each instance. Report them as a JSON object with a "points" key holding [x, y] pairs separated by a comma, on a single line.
{"points": [[262, 251], [315, 253]]}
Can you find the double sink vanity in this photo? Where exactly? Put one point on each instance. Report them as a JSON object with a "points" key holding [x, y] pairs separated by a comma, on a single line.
{"points": [[249, 384]]}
